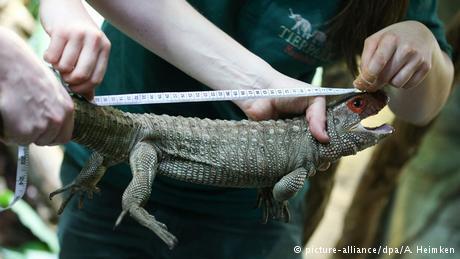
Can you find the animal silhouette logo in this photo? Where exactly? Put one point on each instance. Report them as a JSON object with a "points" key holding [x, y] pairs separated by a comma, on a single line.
{"points": [[302, 26]]}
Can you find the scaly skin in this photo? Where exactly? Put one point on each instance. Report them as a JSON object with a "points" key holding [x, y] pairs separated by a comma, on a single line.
{"points": [[275, 156]]}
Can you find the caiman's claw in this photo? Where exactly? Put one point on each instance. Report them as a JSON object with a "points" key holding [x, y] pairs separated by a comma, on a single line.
{"points": [[149, 221], [271, 208], [85, 182], [64, 203], [75, 188], [63, 189]]}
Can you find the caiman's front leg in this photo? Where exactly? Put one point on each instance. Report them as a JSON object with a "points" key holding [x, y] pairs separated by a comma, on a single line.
{"points": [[85, 182], [144, 162], [290, 184], [287, 188]]}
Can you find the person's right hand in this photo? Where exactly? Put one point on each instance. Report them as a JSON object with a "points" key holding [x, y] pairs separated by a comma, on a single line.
{"points": [[34, 106], [314, 108], [79, 50]]}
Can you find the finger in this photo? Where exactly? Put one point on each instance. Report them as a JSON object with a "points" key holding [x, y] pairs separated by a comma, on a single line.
{"points": [[55, 49], [27, 136], [86, 62], [65, 133], [101, 66], [49, 134], [70, 56], [86, 90], [316, 117], [370, 45], [384, 52], [362, 84], [418, 76], [399, 60], [405, 73], [19, 140]]}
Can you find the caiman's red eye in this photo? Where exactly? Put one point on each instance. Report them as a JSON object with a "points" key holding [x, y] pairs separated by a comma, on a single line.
{"points": [[357, 104]]}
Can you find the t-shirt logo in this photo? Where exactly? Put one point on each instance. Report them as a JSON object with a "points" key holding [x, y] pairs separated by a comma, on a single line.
{"points": [[304, 42], [302, 26]]}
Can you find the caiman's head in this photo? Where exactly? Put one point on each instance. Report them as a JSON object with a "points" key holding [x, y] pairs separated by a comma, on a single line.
{"points": [[347, 135]]}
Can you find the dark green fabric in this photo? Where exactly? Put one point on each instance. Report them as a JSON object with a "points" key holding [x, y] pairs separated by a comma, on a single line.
{"points": [[425, 11], [262, 26], [88, 233]]}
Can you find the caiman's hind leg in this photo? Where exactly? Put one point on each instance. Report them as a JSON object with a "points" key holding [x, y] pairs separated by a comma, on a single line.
{"points": [[275, 202], [144, 162], [85, 182]]}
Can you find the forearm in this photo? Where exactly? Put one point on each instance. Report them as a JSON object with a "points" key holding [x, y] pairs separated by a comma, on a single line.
{"points": [[173, 30], [52, 10], [419, 105]]}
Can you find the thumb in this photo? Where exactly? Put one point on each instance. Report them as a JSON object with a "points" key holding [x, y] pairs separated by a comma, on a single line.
{"points": [[316, 117]]}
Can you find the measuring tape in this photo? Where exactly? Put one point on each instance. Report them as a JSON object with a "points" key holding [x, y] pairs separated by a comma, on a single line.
{"points": [[21, 176], [176, 97], [215, 95]]}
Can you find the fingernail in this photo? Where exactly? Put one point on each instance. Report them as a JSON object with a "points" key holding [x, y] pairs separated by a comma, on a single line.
{"points": [[369, 78], [360, 84], [373, 69], [357, 83]]}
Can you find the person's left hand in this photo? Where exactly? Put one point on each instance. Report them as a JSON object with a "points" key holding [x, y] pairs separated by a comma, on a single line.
{"points": [[399, 55]]}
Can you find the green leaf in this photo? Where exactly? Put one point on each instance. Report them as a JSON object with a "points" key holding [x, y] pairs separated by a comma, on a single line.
{"points": [[11, 254], [33, 7], [5, 197], [6, 253], [30, 219]]}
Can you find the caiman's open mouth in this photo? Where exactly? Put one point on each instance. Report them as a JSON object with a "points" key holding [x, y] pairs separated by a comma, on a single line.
{"points": [[384, 129]]}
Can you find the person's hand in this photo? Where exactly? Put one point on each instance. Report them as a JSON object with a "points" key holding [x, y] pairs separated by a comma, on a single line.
{"points": [[79, 50], [314, 108], [34, 106], [399, 55]]}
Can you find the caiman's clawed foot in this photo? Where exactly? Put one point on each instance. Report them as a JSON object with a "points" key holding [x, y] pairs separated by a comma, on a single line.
{"points": [[149, 221], [85, 182], [75, 188], [270, 207]]}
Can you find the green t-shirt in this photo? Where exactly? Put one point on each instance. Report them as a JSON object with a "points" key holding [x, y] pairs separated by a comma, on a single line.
{"points": [[288, 34]]}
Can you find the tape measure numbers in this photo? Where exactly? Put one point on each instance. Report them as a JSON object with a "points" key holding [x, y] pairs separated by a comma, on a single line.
{"points": [[21, 176], [175, 97], [215, 95]]}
